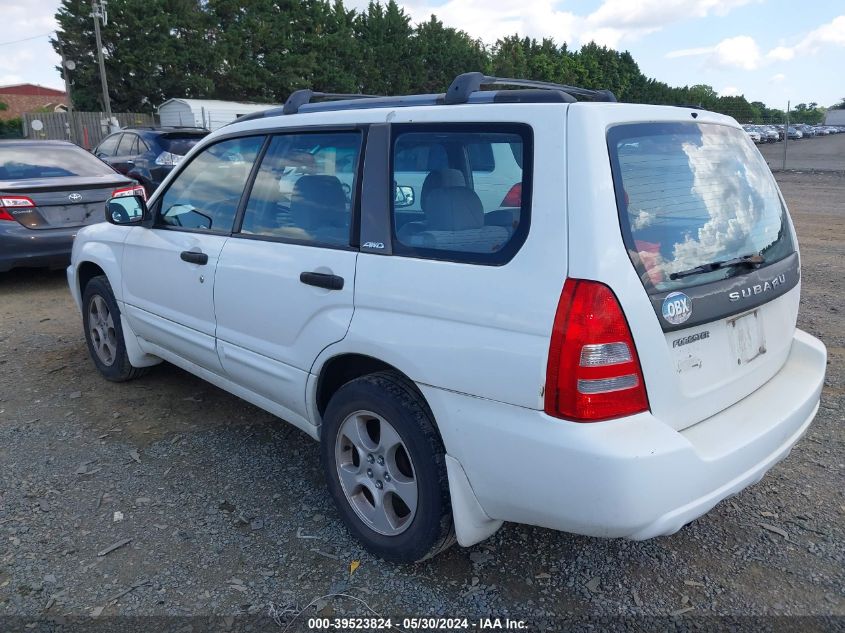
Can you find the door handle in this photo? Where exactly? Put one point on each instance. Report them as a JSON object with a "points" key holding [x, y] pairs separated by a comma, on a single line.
{"points": [[322, 280], [194, 257]]}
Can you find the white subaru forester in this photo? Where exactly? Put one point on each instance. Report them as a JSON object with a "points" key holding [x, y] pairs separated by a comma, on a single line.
{"points": [[487, 305]]}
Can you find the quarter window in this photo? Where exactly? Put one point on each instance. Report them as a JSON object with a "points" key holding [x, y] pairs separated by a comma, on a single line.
{"points": [[206, 194], [303, 189], [461, 193]]}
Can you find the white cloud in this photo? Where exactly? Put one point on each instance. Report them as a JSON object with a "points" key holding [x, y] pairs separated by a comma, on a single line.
{"points": [[613, 22], [730, 91], [777, 78], [690, 52], [734, 52], [741, 52], [781, 53], [827, 35], [648, 15]]}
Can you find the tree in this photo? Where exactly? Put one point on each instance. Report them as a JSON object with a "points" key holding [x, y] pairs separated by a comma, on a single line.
{"points": [[443, 53], [388, 64], [153, 50], [262, 50]]}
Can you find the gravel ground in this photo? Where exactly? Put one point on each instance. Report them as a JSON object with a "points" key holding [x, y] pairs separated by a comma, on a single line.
{"points": [[212, 507]]}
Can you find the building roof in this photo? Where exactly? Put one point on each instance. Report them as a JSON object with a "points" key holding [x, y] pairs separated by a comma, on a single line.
{"points": [[33, 90]]}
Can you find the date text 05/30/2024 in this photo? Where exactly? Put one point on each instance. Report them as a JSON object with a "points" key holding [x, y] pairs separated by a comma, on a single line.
{"points": [[417, 624]]}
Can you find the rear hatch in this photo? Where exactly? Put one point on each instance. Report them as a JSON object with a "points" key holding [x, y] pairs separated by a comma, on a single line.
{"points": [[710, 238], [55, 185]]}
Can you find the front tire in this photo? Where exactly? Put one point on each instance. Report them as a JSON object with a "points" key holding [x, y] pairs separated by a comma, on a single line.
{"points": [[104, 332], [385, 468]]}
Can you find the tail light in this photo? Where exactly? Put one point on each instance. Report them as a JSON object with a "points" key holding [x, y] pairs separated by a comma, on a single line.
{"points": [[14, 202], [593, 371], [134, 190], [168, 159], [513, 198]]}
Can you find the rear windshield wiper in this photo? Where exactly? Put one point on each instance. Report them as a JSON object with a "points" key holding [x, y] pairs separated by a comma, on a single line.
{"points": [[752, 261]]}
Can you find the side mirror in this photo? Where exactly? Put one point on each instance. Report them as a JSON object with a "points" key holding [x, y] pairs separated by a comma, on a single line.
{"points": [[125, 209], [403, 196]]}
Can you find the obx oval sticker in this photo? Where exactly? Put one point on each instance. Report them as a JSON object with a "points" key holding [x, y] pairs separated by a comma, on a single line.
{"points": [[677, 308]]}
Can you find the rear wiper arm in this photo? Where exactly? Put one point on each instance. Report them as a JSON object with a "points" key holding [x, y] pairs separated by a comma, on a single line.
{"points": [[752, 261]]}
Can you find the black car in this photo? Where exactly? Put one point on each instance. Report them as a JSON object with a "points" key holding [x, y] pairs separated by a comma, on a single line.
{"points": [[48, 190], [148, 154]]}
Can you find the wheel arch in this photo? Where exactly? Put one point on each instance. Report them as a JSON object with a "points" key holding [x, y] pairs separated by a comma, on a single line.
{"points": [[337, 370], [85, 272]]}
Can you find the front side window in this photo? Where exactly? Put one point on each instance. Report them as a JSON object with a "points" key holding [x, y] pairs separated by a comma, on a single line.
{"points": [[303, 189], [461, 193], [692, 197], [205, 195]]}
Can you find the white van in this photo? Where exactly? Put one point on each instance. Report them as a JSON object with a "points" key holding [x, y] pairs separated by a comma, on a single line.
{"points": [[486, 305]]}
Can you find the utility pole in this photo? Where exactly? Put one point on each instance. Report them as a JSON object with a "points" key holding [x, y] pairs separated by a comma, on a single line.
{"points": [[786, 135], [65, 68], [98, 12]]}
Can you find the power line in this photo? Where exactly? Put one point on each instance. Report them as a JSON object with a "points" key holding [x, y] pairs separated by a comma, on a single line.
{"points": [[26, 39]]}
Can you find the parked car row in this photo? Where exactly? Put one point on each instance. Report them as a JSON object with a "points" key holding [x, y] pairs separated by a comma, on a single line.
{"points": [[775, 133]]}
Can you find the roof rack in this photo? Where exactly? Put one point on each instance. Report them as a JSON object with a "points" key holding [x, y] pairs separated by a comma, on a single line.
{"points": [[464, 85], [301, 97], [466, 88]]}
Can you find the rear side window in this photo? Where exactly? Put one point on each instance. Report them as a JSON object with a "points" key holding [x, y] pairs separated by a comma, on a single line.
{"points": [[303, 191], [691, 195], [461, 192]]}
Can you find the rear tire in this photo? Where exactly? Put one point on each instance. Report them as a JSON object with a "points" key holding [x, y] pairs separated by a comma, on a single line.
{"points": [[104, 332], [385, 468]]}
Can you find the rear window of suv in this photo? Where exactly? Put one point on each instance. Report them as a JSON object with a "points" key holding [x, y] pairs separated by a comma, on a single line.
{"points": [[691, 195]]}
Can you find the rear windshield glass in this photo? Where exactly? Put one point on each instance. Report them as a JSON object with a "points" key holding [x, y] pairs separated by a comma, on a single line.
{"points": [[179, 144], [691, 195], [27, 162]]}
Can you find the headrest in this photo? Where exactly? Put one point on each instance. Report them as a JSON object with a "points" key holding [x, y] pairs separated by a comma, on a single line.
{"points": [[318, 202], [453, 209], [440, 178]]}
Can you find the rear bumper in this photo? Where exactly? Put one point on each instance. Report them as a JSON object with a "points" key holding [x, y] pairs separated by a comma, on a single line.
{"points": [[21, 247], [635, 477]]}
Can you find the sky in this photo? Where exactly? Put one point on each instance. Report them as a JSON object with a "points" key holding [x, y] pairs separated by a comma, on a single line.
{"points": [[767, 50]]}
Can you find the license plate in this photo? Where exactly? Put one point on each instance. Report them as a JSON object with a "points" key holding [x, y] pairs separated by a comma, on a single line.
{"points": [[746, 336]]}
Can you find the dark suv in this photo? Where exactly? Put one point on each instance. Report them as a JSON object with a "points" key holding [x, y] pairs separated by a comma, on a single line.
{"points": [[148, 154]]}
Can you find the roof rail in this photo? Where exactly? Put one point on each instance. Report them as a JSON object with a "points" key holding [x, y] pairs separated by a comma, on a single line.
{"points": [[464, 85], [301, 97]]}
